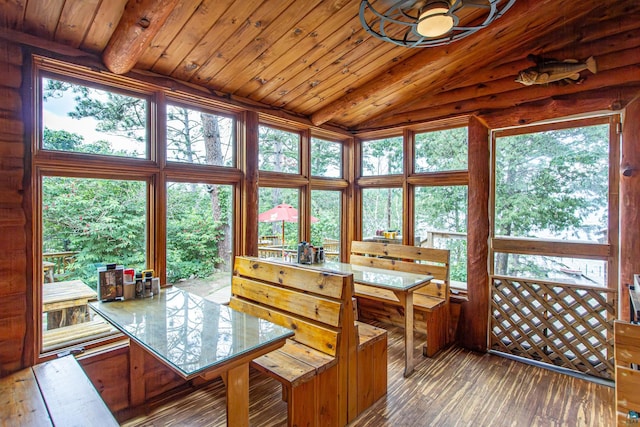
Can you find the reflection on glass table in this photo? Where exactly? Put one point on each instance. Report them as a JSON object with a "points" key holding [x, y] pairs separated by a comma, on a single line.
{"points": [[194, 337]]}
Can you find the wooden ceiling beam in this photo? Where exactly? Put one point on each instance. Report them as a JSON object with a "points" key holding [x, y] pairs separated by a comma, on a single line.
{"points": [[507, 101], [139, 24], [496, 87], [607, 99]]}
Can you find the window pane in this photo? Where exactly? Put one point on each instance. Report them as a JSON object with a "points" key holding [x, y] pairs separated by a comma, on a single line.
{"points": [[382, 211], [553, 184], [382, 156], [442, 150], [326, 158], [82, 119], [198, 137], [199, 237], [279, 150], [325, 207], [556, 269], [278, 230], [441, 222], [87, 223]]}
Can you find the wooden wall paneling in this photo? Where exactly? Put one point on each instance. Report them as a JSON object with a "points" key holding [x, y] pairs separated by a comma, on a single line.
{"points": [[109, 373], [629, 203], [473, 324], [14, 312]]}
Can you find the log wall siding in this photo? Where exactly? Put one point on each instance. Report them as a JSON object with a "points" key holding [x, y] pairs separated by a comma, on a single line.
{"points": [[14, 298], [629, 204]]}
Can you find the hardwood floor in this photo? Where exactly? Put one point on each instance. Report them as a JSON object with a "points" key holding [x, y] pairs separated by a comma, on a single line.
{"points": [[455, 388]]}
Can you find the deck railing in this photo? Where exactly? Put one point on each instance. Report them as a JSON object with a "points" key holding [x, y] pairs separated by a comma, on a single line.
{"points": [[61, 261], [564, 325]]}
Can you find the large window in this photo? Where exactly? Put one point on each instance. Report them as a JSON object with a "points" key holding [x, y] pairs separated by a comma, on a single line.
{"points": [[441, 222], [199, 137], [199, 236], [442, 150], [98, 202], [278, 227], [552, 188], [382, 156], [278, 150], [326, 158], [383, 212], [326, 221], [440, 213], [83, 119]]}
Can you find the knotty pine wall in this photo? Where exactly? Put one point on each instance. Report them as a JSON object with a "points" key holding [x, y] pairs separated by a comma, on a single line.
{"points": [[15, 301]]}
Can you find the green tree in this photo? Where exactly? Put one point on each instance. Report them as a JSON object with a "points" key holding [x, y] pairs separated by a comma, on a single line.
{"points": [[551, 184]]}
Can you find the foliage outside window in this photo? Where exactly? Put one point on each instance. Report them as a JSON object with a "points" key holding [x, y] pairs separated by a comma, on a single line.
{"points": [[382, 210], [326, 208], [441, 222], [278, 150], [326, 158], [83, 119], [103, 221], [553, 185], [382, 156], [198, 137], [88, 223], [199, 236], [442, 150]]}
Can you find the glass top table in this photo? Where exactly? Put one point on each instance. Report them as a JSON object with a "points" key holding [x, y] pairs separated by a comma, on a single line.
{"points": [[401, 283], [194, 337]]}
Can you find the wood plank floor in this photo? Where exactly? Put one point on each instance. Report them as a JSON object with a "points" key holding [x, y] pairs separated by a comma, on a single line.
{"points": [[455, 388]]}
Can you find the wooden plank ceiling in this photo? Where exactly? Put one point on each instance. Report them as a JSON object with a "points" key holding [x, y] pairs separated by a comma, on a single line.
{"points": [[312, 58]]}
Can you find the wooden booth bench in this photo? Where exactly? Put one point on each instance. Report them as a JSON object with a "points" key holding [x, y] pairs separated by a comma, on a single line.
{"points": [[432, 300], [318, 367], [53, 393]]}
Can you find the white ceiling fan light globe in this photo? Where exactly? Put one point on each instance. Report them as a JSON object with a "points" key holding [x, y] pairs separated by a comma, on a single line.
{"points": [[434, 22]]}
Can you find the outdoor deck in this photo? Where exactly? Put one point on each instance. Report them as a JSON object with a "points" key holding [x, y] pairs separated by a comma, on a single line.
{"points": [[457, 387]]}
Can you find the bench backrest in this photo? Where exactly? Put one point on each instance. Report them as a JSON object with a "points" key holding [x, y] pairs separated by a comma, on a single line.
{"points": [[415, 259], [314, 303]]}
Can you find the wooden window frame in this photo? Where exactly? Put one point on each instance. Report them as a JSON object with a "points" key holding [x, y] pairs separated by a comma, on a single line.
{"points": [[154, 170], [606, 252]]}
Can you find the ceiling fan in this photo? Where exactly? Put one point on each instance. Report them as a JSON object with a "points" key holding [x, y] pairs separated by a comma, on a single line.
{"points": [[428, 23]]}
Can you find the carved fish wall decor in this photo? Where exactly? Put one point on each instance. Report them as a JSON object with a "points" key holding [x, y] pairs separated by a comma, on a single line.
{"points": [[551, 70]]}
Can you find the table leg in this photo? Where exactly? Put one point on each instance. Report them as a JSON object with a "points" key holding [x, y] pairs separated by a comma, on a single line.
{"points": [[408, 334], [237, 382]]}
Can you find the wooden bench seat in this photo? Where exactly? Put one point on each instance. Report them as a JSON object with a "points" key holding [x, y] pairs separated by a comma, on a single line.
{"points": [[432, 299], [313, 366], [53, 393], [76, 333], [372, 364]]}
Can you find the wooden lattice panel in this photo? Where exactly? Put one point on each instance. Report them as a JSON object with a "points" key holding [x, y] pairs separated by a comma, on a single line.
{"points": [[564, 325]]}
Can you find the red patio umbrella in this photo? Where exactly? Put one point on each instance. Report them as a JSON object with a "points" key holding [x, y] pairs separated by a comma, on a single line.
{"points": [[283, 212]]}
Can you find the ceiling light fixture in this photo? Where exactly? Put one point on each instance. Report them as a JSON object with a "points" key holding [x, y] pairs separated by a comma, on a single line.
{"points": [[426, 23]]}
